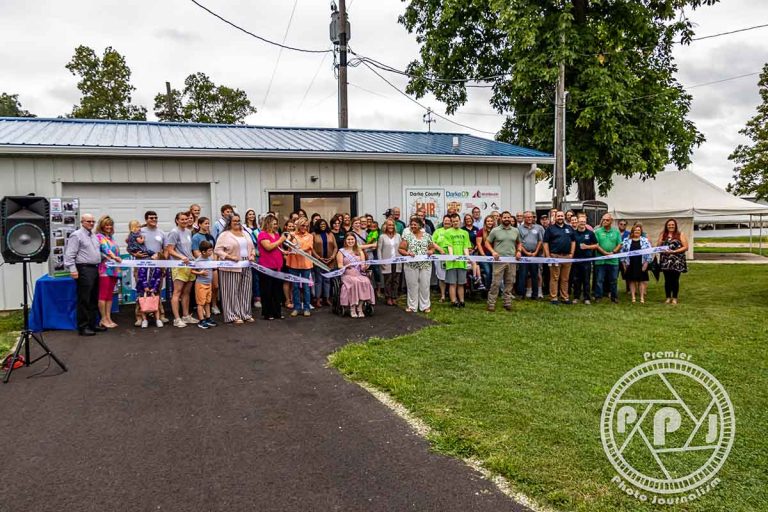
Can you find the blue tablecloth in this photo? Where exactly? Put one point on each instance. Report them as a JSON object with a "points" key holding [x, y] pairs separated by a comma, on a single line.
{"points": [[54, 305]]}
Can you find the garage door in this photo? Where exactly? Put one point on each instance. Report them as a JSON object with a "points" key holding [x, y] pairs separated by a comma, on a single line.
{"points": [[125, 202]]}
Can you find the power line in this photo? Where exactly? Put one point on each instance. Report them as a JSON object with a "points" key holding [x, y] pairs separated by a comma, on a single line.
{"points": [[279, 54], [422, 106], [311, 83], [729, 32], [260, 38]]}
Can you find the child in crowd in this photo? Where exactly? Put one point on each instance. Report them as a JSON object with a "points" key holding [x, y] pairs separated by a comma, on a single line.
{"points": [[135, 241], [204, 277], [148, 280]]}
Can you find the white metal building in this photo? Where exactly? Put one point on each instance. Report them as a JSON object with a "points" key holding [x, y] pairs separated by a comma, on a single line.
{"points": [[125, 168]]}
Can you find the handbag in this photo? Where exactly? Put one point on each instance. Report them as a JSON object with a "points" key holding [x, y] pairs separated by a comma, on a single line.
{"points": [[149, 303]]}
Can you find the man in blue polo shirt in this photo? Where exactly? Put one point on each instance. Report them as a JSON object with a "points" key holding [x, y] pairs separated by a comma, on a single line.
{"points": [[559, 242], [586, 244]]}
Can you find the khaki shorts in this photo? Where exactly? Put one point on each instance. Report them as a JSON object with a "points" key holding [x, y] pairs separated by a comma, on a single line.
{"points": [[202, 294], [182, 274]]}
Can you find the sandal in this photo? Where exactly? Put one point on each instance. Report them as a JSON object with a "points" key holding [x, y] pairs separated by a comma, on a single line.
{"points": [[237, 321], [428, 310]]}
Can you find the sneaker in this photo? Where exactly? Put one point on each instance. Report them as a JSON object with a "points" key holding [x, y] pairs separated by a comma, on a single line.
{"points": [[138, 323], [461, 305], [575, 301], [306, 312], [295, 312], [211, 322], [541, 292], [189, 319], [178, 322], [586, 302], [555, 302], [215, 310], [568, 302], [311, 307], [203, 324], [257, 304], [164, 319], [528, 293], [456, 305], [144, 324], [615, 300], [508, 307], [491, 309], [159, 323]]}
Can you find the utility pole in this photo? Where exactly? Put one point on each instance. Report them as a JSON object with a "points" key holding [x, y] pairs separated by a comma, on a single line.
{"points": [[343, 38], [560, 95], [169, 102]]}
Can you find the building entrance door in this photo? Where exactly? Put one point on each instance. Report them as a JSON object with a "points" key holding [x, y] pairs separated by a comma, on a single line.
{"points": [[327, 204]]}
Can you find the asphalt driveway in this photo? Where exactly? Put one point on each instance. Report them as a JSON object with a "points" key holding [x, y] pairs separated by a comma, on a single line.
{"points": [[236, 418]]}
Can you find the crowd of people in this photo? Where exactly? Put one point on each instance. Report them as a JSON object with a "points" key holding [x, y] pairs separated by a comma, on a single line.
{"points": [[307, 246]]}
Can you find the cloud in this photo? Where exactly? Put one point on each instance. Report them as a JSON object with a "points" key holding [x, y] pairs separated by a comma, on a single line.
{"points": [[180, 36]]}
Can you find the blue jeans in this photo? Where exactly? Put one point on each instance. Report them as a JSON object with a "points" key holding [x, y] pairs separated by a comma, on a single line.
{"points": [[300, 304], [322, 284], [528, 270], [255, 284], [606, 275], [582, 282], [486, 271]]}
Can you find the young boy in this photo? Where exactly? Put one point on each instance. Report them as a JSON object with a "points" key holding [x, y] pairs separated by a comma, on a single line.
{"points": [[204, 276]]}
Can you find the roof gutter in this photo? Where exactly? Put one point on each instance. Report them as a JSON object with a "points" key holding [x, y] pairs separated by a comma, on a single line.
{"points": [[13, 150]]}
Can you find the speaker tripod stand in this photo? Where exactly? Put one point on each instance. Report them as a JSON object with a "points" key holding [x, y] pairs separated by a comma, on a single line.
{"points": [[26, 337]]}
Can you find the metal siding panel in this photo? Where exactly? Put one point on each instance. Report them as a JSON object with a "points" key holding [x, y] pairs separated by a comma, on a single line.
{"points": [[283, 175], [23, 176], [341, 178], [268, 175], [395, 187], [444, 175], [63, 169], [237, 185], [137, 171], [187, 171], [221, 185], [421, 173], [81, 170], [204, 170], [154, 169], [171, 171], [354, 175], [312, 168], [299, 178], [44, 177], [118, 170], [368, 192], [326, 171]]}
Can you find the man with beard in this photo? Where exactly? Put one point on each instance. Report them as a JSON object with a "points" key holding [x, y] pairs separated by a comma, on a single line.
{"points": [[505, 241], [559, 242]]}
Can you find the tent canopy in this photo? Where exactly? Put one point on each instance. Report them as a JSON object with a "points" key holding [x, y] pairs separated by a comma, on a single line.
{"points": [[675, 194]]}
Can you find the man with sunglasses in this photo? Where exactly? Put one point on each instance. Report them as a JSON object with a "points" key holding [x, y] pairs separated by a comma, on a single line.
{"points": [[82, 257], [155, 239]]}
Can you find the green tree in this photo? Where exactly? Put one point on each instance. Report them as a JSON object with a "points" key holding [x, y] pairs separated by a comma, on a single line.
{"points": [[10, 106], [202, 101], [105, 86], [751, 173], [626, 112]]}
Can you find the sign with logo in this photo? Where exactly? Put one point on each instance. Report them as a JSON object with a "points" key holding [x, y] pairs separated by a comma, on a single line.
{"points": [[460, 198], [667, 427]]}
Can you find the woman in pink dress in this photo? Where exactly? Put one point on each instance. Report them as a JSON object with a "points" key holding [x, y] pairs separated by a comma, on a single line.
{"points": [[355, 286]]}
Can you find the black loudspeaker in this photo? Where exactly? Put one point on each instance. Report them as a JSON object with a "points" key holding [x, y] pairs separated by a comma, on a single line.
{"points": [[25, 223]]}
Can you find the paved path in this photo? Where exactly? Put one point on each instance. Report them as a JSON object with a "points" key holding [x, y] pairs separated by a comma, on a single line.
{"points": [[732, 257], [237, 418]]}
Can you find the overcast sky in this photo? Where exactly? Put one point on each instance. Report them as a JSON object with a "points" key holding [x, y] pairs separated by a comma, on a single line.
{"points": [[169, 39]]}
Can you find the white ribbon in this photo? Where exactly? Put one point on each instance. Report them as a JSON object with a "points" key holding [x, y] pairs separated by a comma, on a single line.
{"points": [[210, 264], [399, 259], [491, 259]]}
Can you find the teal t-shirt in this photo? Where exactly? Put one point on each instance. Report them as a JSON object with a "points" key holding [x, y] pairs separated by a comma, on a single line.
{"points": [[607, 240], [458, 240]]}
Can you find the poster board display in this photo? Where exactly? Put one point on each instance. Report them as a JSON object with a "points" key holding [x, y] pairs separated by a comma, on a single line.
{"points": [[65, 218], [461, 198]]}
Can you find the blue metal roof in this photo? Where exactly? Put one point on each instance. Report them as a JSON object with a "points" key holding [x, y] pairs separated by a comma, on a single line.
{"points": [[140, 135]]}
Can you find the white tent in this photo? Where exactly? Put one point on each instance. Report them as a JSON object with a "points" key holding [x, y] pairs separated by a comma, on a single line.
{"points": [[682, 195], [676, 194]]}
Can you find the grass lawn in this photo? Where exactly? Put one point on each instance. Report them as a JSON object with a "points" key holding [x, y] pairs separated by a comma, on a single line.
{"points": [[729, 250], [10, 325], [523, 391]]}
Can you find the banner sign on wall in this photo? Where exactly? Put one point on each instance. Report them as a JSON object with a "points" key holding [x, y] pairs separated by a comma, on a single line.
{"points": [[462, 198], [65, 218]]}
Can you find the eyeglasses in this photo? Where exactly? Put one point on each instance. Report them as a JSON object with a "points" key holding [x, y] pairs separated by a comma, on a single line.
{"points": [[152, 217], [89, 221]]}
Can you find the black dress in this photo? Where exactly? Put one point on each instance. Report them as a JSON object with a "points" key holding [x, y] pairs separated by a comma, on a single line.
{"points": [[635, 270]]}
